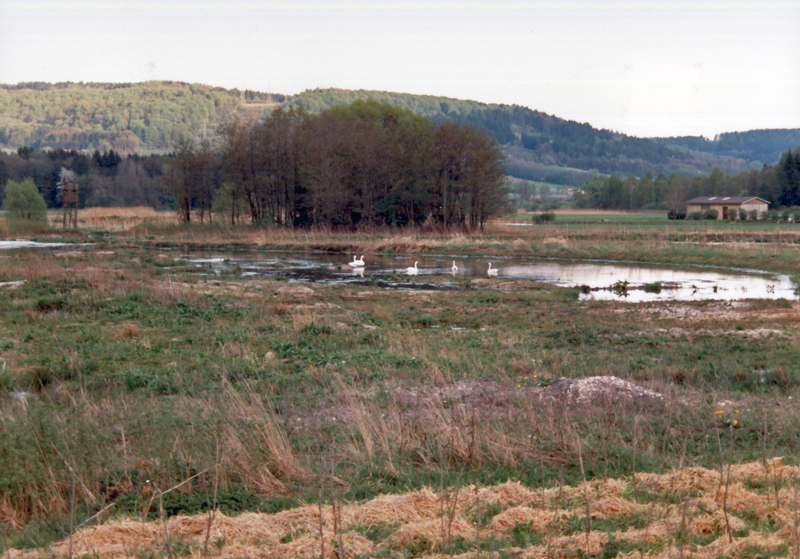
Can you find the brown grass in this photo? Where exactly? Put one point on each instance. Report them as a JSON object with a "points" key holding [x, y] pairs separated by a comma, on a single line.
{"points": [[123, 219], [128, 331], [417, 520]]}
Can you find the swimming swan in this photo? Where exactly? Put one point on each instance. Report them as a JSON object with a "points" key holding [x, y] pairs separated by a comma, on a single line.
{"points": [[492, 271], [356, 262], [412, 270], [454, 268]]}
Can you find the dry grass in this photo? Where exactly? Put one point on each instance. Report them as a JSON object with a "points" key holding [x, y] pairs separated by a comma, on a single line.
{"points": [[419, 520], [123, 219], [127, 331]]}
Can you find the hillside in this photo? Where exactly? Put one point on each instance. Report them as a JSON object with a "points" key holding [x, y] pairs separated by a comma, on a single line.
{"points": [[154, 116], [146, 116], [541, 146], [765, 146]]}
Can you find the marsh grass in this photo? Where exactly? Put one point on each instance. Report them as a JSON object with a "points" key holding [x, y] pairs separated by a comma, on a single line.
{"points": [[123, 219], [133, 370]]}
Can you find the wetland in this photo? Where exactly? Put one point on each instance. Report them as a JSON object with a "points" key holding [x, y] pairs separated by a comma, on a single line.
{"points": [[250, 364]]}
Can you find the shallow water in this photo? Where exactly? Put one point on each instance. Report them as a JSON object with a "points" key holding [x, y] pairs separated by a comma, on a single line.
{"points": [[9, 245], [598, 279]]}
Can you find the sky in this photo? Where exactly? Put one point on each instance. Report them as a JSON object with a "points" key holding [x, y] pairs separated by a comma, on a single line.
{"points": [[644, 68]]}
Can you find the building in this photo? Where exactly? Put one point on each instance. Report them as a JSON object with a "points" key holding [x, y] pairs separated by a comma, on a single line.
{"points": [[728, 206]]}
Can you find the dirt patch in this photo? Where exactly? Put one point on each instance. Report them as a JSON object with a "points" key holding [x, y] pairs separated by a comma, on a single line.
{"points": [[721, 310], [602, 389], [753, 334]]}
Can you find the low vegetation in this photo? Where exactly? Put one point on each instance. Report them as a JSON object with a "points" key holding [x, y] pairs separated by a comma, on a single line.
{"points": [[137, 391]]}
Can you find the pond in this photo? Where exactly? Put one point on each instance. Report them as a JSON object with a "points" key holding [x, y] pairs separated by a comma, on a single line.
{"points": [[597, 280]]}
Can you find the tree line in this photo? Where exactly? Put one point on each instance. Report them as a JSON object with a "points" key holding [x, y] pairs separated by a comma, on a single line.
{"points": [[777, 184], [104, 178], [363, 164]]}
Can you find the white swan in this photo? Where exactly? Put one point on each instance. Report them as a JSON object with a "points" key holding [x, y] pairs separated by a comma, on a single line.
{"points": [[356, 263], [454, 268], [492, 271], [412, 270]]}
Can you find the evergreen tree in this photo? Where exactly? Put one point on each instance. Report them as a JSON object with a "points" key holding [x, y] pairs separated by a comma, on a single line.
{"points": [[789, 179]]}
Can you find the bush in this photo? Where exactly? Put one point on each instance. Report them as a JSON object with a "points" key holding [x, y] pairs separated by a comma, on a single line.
{"points": [[654, 287], [676, 214], [543, 217], [23, 203], [695, 215], [711, 214], [752, 215], [742, 214]]}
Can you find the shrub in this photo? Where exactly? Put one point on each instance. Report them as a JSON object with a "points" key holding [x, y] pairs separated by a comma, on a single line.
{"points": [[543, 217], [711, 214], [23, 202], [742, 214], [654, 287], [752, 215], [695, 215]]}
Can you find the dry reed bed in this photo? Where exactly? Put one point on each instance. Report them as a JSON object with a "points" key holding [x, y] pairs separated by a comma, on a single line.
{"points": [[124, 219], [710, 506]]}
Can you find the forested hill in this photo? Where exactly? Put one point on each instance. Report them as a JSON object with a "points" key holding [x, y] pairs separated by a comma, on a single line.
{"points": [[764, 146], [126, 117], [152, 116]]}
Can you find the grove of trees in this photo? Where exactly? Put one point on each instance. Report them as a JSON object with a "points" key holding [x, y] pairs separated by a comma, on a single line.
{"points": [[362, 164]]}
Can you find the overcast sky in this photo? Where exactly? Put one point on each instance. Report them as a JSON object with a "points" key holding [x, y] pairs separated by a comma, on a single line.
{"points": [[645, 68]]}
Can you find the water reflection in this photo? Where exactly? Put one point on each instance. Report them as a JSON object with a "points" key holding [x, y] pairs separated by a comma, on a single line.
{"points": [[598, 281], [9, 245]]}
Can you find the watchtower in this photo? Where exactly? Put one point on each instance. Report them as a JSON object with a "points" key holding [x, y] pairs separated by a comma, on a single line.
{"points": [[69, 206]]}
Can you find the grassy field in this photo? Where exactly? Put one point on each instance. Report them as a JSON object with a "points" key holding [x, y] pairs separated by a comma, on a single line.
{"points": [[136, 388]]}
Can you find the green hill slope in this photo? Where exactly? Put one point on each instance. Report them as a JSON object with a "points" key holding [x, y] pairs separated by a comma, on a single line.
{"points": [[127, 117]]}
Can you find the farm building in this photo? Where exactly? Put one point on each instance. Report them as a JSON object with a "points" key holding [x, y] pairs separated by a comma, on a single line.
{"points": [[728, 206]]}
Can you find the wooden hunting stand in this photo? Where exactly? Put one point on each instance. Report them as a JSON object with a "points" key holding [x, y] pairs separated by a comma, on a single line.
{"points": [[69, 206]]}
